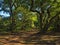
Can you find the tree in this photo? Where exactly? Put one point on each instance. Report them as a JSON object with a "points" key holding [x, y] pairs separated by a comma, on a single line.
{"points": [[10, 5], [46, 7], [43, 9], [15, 8]]}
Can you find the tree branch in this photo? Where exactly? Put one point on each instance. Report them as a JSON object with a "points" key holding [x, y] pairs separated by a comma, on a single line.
{"points": [[31, 7], [48, 12], [49, 23], [40, 13]]}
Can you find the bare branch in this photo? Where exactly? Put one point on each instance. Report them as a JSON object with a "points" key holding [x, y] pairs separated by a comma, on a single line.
{"points": [[51, 20]]}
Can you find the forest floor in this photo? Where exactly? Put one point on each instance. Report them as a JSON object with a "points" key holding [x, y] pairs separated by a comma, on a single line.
{"points": [[25, 38]]}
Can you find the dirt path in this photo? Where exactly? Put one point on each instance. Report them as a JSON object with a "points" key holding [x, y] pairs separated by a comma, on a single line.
{"points": [[17, 40], [24, 39]]}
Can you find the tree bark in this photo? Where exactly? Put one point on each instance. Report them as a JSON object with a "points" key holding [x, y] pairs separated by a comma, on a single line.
{"points": [[12, 24]]}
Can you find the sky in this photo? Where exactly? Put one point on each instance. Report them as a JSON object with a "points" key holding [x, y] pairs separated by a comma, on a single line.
{"points": [[2, 13]]}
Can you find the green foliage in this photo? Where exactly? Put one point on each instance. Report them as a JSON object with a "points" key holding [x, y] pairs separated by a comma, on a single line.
{"points": [[43, 15], [27, 20]]}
